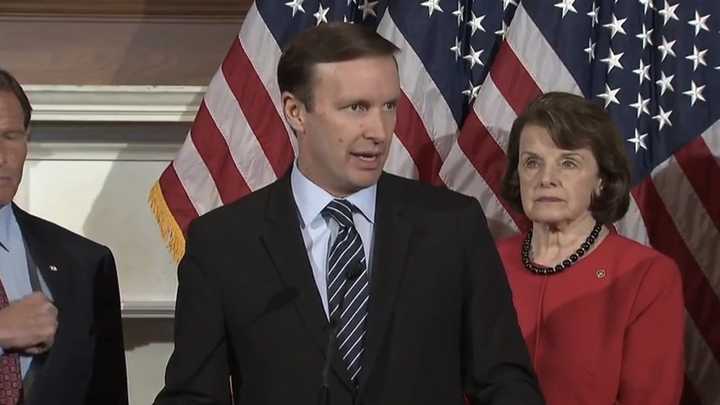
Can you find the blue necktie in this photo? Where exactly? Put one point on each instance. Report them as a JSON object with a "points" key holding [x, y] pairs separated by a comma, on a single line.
{"points": [[347, 280]]}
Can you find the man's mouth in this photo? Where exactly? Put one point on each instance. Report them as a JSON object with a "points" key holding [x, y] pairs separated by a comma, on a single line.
{"points": [[366, 156]]}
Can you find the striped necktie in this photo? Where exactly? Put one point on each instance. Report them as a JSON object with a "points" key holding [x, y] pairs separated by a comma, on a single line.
{"points": [[10, 375], [347, 280]]}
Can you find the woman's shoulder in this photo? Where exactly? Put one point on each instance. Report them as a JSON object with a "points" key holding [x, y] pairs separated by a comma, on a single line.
{"points": [[657, 277], [510, 243], [635, 254], [509, 250]]}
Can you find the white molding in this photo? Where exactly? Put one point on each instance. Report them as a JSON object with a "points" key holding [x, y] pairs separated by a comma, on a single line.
{"points": [[114, 103], [148, 309], [145, 152]]}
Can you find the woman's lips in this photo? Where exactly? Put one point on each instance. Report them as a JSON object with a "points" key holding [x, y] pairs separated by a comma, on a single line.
{"points": [[549, 199]]}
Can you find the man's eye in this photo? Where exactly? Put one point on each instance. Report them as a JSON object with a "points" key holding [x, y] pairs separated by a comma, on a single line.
{"points": [[13, 136]]}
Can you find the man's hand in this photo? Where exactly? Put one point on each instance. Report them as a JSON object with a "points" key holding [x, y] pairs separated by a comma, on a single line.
{"points": [[28, 324]]}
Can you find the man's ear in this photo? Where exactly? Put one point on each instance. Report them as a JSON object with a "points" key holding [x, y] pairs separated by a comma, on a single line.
{"points": [[294, 111]]}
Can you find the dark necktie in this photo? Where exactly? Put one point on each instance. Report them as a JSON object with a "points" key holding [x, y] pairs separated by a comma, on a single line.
{"points": [[10, 374], [347, 280]]}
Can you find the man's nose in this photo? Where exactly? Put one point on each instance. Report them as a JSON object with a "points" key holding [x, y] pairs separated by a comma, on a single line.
{"points": [[379, 125]]}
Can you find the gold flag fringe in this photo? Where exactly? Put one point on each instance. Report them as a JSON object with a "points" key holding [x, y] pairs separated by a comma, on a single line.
{"points": [[169, 228]]}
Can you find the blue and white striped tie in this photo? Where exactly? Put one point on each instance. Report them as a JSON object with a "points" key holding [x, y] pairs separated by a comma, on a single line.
{"points": [[348, 312]]}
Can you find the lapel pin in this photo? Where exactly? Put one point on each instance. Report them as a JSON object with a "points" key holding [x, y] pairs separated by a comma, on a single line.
{"points": [[601, 273], [53, 267]]}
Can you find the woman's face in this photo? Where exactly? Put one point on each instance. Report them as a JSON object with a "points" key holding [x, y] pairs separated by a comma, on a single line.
{"points": [[556, 185]]}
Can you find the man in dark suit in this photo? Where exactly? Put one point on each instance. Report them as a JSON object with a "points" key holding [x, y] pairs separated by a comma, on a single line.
{"points": [[339, 283], [60, 330]]}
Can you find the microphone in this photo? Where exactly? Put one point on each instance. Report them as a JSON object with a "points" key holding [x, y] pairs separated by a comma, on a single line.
{"points": [[351, 273]]}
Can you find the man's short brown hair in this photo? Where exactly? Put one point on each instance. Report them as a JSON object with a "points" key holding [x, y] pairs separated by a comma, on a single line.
{"points": [[9, 83], [574, 122], [326, 43]]}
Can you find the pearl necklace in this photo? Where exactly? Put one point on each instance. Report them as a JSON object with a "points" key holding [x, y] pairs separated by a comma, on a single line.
{"points": [[534, 268]]}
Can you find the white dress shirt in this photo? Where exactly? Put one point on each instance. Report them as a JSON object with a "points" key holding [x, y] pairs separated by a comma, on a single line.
{"points": [[318, 232]]}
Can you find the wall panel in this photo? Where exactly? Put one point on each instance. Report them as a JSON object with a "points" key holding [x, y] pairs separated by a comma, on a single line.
{"points": [[162, 8], [72, 50]]}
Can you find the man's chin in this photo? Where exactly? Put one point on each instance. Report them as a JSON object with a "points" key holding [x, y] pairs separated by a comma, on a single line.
{"points": [[6, 194], [366, 180]]}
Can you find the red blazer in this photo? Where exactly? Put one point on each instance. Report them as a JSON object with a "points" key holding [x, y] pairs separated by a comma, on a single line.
{"points": [[608, 330]]}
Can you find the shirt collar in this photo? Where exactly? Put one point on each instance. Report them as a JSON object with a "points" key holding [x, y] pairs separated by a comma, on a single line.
{"points": [[311, 198], [7, 217]]}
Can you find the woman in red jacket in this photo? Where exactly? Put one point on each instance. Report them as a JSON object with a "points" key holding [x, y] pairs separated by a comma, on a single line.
{"points": [[602, 315]]}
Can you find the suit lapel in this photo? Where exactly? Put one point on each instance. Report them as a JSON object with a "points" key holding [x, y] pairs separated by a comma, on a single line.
{"points": [[50, 262], [392, 233], [284, 243]]}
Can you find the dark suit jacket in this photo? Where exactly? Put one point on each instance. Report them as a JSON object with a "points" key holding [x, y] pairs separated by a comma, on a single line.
{"points": [[86, 364], [441, 321]]}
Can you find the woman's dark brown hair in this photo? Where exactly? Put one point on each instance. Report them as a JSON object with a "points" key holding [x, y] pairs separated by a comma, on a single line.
{"points": [[326, 43], [573, 123]]}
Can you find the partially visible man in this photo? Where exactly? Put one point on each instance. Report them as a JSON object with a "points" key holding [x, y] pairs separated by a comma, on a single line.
{"points": [[340, 284], [60, 329]]}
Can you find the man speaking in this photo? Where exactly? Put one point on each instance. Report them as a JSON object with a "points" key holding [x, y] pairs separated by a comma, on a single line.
{"points": [[339, 283]]}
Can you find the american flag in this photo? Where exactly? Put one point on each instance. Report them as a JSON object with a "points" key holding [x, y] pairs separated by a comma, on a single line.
{"points": [[467, 68]]}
